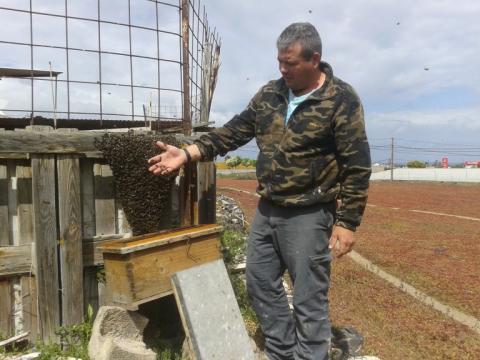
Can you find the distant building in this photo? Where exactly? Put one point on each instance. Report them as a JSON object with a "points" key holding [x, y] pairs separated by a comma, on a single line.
{"points": [[445, 162], [378, 167], [472, 164]]}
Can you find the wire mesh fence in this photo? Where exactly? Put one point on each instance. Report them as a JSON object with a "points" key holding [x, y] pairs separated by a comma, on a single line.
{"points": [[107, 60]]}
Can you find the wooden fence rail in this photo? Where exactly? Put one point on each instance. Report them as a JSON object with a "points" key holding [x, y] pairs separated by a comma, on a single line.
{"points": [[57, 204]]}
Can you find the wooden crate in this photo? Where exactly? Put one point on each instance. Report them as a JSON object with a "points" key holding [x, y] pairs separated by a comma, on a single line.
{"points": [[138, 269]]}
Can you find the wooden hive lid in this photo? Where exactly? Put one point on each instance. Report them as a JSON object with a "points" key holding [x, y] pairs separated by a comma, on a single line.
{"points": [[142, 242]]}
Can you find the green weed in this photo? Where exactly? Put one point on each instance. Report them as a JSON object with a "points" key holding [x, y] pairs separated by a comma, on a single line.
{"points": [[234, 246], [73, 339], [170, 353]]}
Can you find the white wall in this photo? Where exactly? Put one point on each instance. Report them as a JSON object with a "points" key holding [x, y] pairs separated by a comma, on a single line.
{"points": [[450, 175]]}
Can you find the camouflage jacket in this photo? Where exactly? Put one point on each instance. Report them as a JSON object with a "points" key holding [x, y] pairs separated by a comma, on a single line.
{"points": [[321, 154]]}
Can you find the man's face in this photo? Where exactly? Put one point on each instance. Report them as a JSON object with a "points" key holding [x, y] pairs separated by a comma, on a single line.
{"points": [[299, 74]]}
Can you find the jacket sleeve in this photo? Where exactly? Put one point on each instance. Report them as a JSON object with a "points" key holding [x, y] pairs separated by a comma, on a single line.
{"points": [[235, 133], [353, 156]]}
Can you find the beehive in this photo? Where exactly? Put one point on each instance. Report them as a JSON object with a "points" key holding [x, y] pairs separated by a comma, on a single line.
{"points": [[138, 269]]}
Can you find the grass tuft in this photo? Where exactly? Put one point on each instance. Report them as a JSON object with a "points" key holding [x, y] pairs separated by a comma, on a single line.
{"points": [[73, 339]]}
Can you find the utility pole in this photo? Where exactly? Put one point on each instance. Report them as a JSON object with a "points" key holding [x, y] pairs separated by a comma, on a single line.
{"points": [[187, 118], [391, 162]]}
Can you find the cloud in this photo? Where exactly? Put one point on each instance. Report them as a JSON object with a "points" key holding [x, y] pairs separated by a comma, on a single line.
{"points": [[452, 133], [363, 42], [412, 62], [461, 118], [84, 63], [385, 62]]}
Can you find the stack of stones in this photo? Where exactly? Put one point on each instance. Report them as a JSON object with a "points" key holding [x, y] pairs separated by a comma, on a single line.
{"points": [[229, 214], [231, 217]]}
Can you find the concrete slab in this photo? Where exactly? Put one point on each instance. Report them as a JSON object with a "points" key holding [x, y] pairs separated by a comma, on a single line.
{"points": [[117, 334], [210, 313]]}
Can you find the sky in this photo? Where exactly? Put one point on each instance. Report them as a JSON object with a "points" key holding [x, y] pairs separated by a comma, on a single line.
{"points": [[84, 65], [415, 64]]}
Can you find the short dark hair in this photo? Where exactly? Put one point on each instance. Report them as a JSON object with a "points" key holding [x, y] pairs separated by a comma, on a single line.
{"points": [[305, 34]]}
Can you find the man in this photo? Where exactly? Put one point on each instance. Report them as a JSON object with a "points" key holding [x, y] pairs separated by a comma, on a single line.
{"points": [[314, 155]]}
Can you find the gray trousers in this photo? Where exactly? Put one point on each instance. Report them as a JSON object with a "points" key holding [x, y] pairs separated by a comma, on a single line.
{"points": [[293, 239]]}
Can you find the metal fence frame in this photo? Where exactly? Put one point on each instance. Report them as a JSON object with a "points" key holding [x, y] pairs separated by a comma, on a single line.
{"points": [[192, 44]]}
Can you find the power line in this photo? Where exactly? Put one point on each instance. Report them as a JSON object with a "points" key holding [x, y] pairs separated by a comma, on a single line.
{"points": [[432, 142]]}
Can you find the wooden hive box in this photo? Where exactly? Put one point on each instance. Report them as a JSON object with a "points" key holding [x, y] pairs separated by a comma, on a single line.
{"points": [[138, 269]]}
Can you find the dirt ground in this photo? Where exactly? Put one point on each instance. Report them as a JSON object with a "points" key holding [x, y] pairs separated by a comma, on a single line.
{"points": [[436, 254]]}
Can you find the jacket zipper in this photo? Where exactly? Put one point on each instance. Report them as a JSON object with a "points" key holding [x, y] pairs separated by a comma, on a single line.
{"points": [[285, 126], [285, 101]]}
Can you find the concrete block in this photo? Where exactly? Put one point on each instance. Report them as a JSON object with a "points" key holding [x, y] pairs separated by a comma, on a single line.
{"points": [[117, 334], [210, 313]]}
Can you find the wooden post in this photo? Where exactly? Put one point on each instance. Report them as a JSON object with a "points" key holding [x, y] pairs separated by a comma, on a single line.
{"points": [[193, 186], [104, 199], [187, 119], [6, 318], [90, 282], [70, 221], [45, 229], [88, 198], [188, 196], [90, 288], [4, 223], [391, 161], [105, 215], [27, 237], [206, 175], [24, 202]]}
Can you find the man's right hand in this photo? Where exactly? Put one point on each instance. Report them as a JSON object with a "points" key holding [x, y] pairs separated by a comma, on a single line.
{"points": [[170, 160]]}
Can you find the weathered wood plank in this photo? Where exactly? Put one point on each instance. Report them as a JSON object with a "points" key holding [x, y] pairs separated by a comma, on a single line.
{"points": [[26, 236], [12, 202], [92, 254], [45, 229], [142, 242], [24, 202], [6, 311], [13, 197], [36, 141], [29, 304], [104, 199], [90, 288], [6, 308], [4, 221], [175, 198], [70, 225], [88, 197], [206, 175], [13, 156], [102, 293], [15, 260], [187, 195], [14, 339]]}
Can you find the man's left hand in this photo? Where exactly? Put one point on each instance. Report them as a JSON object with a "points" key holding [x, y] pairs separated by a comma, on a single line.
{"points": [[341, 242]]}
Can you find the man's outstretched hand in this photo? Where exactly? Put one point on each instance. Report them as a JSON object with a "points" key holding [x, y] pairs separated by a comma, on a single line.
{"points": [[342, 241], [170, 160]]}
